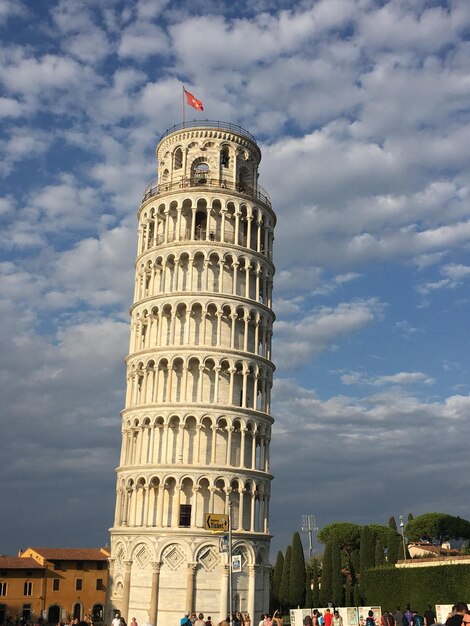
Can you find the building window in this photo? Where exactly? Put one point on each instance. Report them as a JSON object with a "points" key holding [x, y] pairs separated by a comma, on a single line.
{"points": [[56, 584], [99, 565], [78, 584], [99, 584], [79, 564], [28, 588], [3, 588], [57, 565], [185, 515]]}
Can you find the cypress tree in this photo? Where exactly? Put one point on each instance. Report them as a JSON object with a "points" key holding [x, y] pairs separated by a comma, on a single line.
{"points": [[357, 596], [393, 548], [379, 552], [276, 581], [367, 552], [297, 573], [326, 591], [392, 523], [308, 588], [284, 587], [316, 588], [410, 517], [336, 573]]}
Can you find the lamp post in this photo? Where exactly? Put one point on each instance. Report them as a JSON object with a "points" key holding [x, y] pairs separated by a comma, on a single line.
{"points": [[402, 526], [309, 526]]}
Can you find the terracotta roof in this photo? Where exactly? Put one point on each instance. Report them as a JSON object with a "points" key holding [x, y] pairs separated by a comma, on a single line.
{"points": [[72, 554], [17, 562]]}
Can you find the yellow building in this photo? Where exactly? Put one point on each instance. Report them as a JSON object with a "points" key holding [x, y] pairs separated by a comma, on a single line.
{"points": [[53, 583]]}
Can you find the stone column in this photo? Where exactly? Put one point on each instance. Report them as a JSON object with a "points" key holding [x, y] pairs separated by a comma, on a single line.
{"points": [[126, 591], [251, 591], [153, 610], [109, 615], [190, 586], [224, 593]]}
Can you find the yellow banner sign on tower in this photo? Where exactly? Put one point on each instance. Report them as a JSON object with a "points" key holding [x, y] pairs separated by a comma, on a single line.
{"points": [[217, 522]]}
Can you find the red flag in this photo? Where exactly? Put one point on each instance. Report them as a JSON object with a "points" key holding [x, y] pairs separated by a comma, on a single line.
{"points": [[193, 102]]}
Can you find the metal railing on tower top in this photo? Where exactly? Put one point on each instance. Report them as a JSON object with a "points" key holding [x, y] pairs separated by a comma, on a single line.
{"points": [[210, 124], [155, 188]]}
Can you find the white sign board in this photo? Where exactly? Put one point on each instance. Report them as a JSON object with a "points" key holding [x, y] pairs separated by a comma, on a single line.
{"points": [[237, 563]]}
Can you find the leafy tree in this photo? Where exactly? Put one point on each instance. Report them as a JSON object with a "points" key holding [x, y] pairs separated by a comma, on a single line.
{"points": [[348, 535], [392, 523], [276, 581], [297, 573], [326, 591], [367, 553], [437, 528], [284, 587], [316, 588], [379, 532], [336, 573]]}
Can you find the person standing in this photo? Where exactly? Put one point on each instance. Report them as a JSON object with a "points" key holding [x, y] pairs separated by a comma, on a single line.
{"points": [[417, 619], [337, 619], [429, 616], [200, 620], [117, 620], [457, 618], [398, 617], [327, 618]]}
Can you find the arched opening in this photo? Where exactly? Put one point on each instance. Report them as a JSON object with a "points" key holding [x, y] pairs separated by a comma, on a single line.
{"points": [[53, 614]]}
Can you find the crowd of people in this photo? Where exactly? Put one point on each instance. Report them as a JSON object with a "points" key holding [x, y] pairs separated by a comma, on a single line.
{"points": [[459, 616]]}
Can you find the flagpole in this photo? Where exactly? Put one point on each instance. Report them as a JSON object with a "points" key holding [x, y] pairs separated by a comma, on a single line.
{"points": [[183, 107]]}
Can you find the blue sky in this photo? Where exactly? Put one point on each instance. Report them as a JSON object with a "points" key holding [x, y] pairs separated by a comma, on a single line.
{"points": [[361, 109]]}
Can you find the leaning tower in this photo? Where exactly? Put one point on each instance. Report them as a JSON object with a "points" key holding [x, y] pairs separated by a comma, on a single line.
{"points": [[196, 426]]}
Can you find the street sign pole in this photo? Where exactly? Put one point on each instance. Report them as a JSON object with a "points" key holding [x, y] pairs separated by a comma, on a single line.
{"points": [[230, 560]]}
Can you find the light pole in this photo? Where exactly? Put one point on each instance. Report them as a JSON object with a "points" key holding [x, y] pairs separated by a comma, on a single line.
{"points": [[402, 526], [309, 527]]}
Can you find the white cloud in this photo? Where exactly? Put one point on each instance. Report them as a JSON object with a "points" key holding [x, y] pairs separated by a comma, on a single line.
{"points": [[400, 378], [143, 39], [298, 341]]}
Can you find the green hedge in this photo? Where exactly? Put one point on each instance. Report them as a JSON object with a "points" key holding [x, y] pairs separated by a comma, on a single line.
{"points": [[417, 586]]}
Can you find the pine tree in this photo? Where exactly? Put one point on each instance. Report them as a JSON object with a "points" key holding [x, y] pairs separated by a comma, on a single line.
{"points": [[336, 573], [284, 587], [326, 591], [316, 588], [392, 523], [297, 573], [276, 581], [410, 517]]}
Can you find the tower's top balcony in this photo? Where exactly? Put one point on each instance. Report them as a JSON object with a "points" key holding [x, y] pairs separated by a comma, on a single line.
{"points": [[155, 189]]}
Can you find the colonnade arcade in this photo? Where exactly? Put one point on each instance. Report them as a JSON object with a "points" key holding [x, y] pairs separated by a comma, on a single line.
{"points": [[196, 379], [157, 502], [227, 221], [190, 440], [205, 270], [201, 323]]}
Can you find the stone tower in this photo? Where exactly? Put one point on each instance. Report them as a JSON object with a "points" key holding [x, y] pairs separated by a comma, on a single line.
{"points": [[196, 427]]}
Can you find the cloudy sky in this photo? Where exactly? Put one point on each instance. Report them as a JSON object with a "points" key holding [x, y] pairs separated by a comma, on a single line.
{"points": [[361, 109]]}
